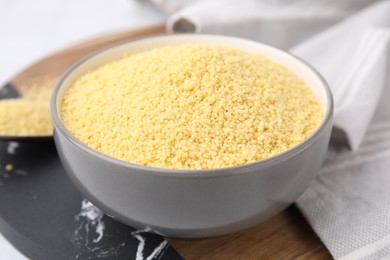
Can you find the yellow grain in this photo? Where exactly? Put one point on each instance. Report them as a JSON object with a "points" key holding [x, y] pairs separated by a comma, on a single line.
{"points": [[27, 116], [192, 106], [9, 167]]}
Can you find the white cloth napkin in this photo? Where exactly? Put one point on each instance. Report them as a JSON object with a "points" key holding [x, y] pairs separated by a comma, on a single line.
{"points": [[348, 205], [282, 23], [348, 41], [352, 57]]}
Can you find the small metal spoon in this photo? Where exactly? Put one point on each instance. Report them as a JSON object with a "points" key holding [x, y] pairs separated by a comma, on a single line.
{"points": [[9, 91]]}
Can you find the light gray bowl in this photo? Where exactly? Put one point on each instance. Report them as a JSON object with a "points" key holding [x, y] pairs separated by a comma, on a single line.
{"points": [[193, 203]]}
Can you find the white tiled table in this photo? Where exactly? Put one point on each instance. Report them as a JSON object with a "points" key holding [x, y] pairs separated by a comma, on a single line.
{"points": [[30, 29]]}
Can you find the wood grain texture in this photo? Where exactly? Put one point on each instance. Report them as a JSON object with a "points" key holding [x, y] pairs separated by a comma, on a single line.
{"points": [[48, 70], [285, 236]]}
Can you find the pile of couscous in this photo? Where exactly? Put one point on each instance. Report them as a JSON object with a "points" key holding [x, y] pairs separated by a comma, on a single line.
{"points": [[192, 106], [28, 115]]}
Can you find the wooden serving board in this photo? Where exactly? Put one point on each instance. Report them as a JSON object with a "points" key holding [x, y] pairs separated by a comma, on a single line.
{"points": [[285, 236]]}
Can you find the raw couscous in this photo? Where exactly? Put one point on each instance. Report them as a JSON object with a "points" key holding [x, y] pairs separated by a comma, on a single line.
{"points": [[192, 106], [28, 115]]}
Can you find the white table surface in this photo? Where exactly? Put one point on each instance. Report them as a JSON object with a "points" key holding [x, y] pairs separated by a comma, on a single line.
{"points": [[31, 29]]}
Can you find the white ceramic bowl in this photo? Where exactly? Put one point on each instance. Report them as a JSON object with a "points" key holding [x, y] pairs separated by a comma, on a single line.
{"points": [[193, 203]]}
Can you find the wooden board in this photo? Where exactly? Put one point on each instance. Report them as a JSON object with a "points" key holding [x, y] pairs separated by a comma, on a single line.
{"points": [[285, 236]]}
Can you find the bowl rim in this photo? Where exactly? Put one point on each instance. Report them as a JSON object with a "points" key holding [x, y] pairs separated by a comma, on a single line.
{"points": [[193, 173]]}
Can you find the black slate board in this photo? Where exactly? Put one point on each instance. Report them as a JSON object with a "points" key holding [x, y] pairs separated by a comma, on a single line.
{"points": [[45, 217]]}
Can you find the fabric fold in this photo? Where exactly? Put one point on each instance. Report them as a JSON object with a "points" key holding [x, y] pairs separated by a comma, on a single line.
{"points": [[352, 57], [280, 23]]}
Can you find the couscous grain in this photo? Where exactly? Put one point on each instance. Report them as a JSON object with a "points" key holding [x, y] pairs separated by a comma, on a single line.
{"points": [[9, 167]]}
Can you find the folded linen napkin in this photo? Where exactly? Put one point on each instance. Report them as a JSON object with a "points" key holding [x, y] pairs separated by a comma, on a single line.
{"points": [[282, 23], [348, 205], [352, 57]]}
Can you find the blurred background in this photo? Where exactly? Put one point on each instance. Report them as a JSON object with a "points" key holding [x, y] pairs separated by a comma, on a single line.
{"points": [[32, 29]]}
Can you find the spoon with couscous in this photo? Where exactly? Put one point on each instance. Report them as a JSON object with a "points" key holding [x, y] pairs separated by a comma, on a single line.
{"points": [[25, 117]]}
